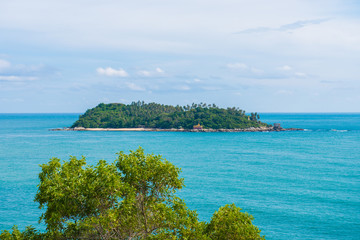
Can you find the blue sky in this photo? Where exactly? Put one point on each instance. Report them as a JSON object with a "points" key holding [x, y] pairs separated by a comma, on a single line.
{"points": [[259, 55]]}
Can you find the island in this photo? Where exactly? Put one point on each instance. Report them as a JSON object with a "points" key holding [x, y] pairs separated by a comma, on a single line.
{"points": [[141, 116]]}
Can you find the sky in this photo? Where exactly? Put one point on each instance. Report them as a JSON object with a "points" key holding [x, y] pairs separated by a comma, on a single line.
{"points": [[258, 55]]}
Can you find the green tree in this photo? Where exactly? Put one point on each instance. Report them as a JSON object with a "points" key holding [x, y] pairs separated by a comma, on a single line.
{"points": [[131, 198], [232, 224]]}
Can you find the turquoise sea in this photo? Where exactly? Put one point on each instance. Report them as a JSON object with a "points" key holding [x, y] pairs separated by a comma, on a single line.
{"points": [[297, 185]]}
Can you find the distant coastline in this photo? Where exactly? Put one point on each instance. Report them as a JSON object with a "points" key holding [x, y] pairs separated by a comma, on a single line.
{"points": [[251, 129], [155, 117]]}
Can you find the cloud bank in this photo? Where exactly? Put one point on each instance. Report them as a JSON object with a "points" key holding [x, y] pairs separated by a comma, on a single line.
{"points": [[180, 52]]}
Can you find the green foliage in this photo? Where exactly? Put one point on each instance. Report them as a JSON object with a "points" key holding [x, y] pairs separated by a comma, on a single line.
{"points": [[131, 198], [232, 224], [72, 192], [153, 115], [30, 233]]}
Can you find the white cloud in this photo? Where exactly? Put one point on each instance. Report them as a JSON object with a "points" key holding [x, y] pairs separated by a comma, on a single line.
{"points": [[290, 71], [285, 68], [135, 87], [285, 27], [300, 74], [144, 73], [241, 66], [4, 64], [157, 72], [7, 66], [111, 72], [192, 81], [245, 69], [17, 78], [182, 88], [11, 72]]}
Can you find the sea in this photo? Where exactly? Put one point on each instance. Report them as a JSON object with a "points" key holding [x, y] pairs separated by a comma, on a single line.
{"points": [[296, 185]]}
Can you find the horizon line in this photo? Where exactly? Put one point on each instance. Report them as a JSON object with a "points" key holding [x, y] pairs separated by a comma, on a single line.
{"points": [[245, 112]]}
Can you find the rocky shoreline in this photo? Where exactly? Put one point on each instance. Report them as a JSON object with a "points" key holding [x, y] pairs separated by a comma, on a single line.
{"points": [[251, 129]]}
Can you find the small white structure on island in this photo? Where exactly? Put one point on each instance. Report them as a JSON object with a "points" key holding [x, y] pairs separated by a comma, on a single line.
{"points": [[277, 125]]}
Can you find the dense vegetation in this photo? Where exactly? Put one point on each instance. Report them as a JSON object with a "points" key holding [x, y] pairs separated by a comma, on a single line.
{"points": [[153, 115], [131, 198]]}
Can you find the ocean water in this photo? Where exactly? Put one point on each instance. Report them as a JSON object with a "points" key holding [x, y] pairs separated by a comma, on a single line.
{"points": [[297, 185]]}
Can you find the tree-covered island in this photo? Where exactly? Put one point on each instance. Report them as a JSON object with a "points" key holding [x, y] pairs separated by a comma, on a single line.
{"points": [[159, 116], [140, 116]]}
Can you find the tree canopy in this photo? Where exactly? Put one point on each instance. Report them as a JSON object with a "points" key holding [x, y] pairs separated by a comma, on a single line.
{"points": [[131, 198], [153, 115]]}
